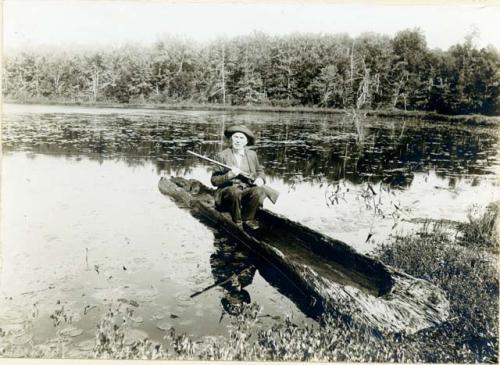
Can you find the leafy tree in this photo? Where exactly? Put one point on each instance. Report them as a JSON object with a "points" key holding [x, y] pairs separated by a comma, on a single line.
{"points": [[327, 86], [369, 71], [410, 75]]}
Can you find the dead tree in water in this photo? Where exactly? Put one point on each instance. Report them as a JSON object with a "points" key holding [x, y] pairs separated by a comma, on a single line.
{"points": [[223, 75], [359, 98], [220, 74]]}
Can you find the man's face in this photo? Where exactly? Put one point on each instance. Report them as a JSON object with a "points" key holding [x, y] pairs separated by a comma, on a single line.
{"points": [[238, 140]]}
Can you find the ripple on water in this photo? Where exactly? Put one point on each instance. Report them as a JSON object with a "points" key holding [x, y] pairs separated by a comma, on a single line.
{"points": [[111, 294], [87, 345], [145, 295], [19, 336], [182, 299], [13, 329], [13, 315]]}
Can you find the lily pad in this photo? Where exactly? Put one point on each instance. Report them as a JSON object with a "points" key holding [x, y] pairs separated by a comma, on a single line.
{"points": [[71, 332], [137, 319], [158, 316], [164, 325]]}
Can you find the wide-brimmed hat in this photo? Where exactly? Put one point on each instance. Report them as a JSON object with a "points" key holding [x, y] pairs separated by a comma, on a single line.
{"points": [[242, 129]]}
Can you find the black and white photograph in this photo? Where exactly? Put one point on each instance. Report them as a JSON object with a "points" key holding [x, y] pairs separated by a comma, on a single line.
{"points": [[250, 181]]}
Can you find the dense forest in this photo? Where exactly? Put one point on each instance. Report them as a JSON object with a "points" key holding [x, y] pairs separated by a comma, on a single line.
{"points": [[336, 71]]}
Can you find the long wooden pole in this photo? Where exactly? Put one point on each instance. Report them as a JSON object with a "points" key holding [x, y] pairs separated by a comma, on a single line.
{"points": [[216, 162]]}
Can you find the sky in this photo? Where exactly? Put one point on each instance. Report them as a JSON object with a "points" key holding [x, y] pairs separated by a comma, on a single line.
{"points": [[62, 23]]}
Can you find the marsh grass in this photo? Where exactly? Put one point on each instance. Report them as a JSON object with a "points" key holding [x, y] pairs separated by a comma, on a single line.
{"points": [[469, 119], [481, 230], [465, 267]]}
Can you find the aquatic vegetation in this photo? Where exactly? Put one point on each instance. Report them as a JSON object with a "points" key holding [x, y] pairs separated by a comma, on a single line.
{"points": [[294, 147], [470, 277], [112, 340], [481, 231]]}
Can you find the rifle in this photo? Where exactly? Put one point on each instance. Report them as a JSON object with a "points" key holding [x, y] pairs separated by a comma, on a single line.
{"points": [[234, 276], [271, 193]]}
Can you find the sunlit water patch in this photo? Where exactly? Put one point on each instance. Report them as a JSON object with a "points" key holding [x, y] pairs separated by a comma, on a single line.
{"points": [[81, 236]]}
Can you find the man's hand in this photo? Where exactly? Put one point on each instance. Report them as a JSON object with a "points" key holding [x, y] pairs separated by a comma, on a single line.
{"points": [[258, 181], [234, 172]]}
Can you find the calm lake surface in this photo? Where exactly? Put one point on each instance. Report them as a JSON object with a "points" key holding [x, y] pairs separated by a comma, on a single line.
{"points": [[84, 227]]}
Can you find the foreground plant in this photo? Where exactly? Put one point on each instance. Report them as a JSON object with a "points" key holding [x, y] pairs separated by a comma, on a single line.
{"points": [[481, 230], [465, 267]]}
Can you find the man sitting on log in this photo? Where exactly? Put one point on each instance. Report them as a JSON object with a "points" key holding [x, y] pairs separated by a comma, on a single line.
{"points": [[236, 193]]}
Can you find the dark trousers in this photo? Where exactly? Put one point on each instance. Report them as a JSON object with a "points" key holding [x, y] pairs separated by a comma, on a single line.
{"points": [[242, 202]]}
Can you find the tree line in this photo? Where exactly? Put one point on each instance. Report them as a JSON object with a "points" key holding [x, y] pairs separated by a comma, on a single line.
{"points": [[336, 71]]}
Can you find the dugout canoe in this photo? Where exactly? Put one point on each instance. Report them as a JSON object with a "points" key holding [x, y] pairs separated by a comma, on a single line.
{"points": [[334, 275]]}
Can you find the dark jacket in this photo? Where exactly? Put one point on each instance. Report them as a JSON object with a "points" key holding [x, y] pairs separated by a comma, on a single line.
{"points": [[220, 177]]}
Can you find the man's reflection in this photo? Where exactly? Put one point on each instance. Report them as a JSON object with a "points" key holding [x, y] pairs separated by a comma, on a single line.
{"points": [[234, 270]]}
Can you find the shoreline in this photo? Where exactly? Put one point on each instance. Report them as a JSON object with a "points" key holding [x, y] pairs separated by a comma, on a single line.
{"points": [[473, 119]]}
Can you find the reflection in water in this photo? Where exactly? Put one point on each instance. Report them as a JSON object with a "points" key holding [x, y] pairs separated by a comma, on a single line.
{"points": [[233, 268], [295, 147]]}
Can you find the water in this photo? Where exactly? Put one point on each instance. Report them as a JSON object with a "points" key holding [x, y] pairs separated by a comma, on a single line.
{"points": [[84, 227]]}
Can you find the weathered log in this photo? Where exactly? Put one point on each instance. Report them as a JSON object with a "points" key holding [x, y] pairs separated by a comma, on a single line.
{"points": [[327, 271]]}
